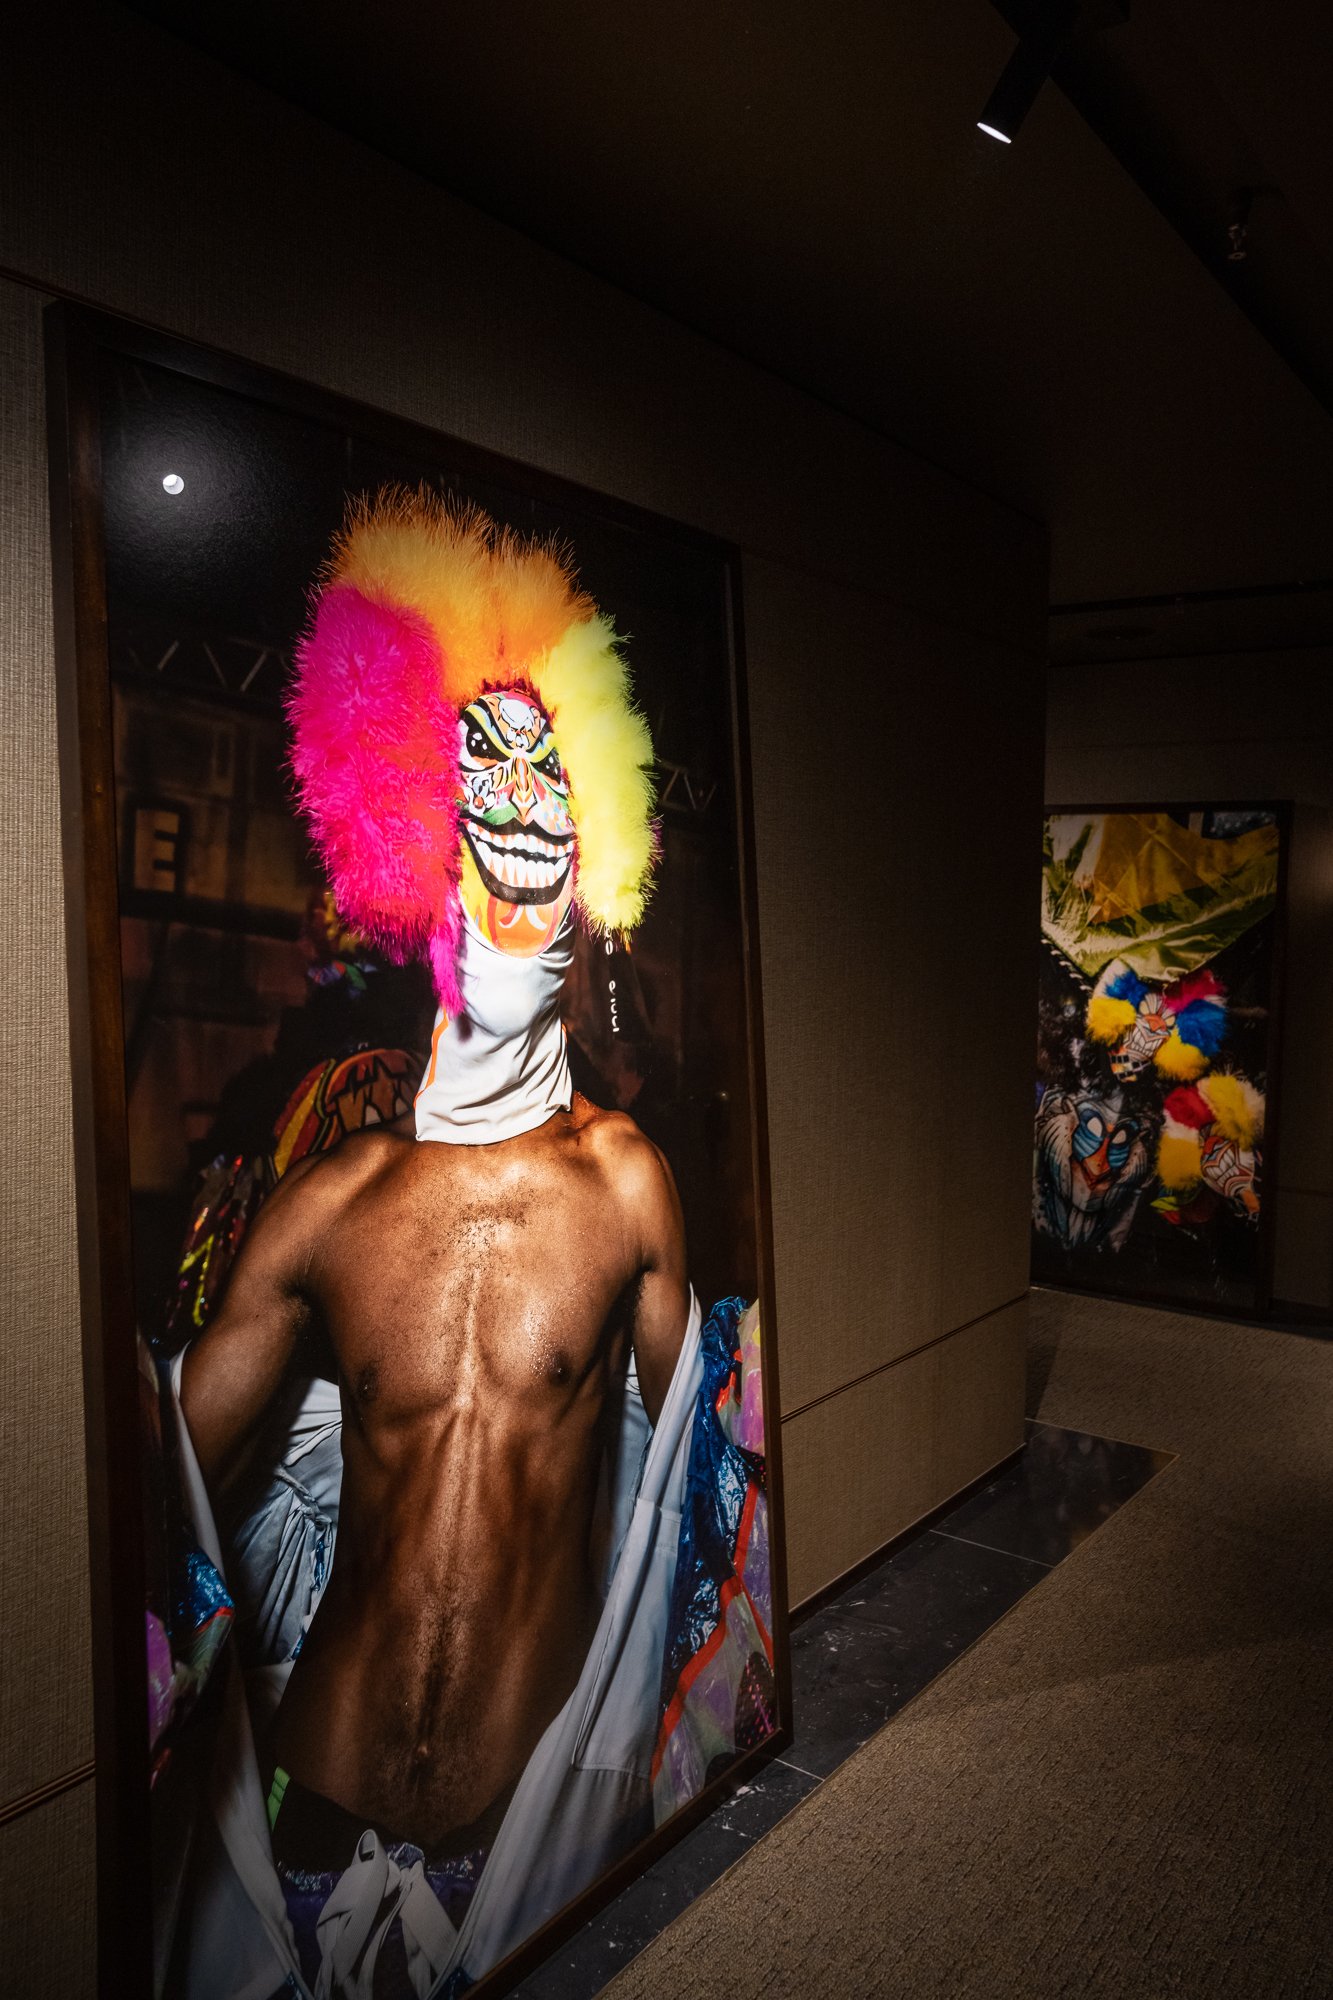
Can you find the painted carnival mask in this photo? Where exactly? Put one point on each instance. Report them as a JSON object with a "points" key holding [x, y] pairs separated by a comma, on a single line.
{"points": [[1230, 1170], [518, 832], [1210, 1149], [1092, 1163], [1149, 1031], [1099, 1147]]}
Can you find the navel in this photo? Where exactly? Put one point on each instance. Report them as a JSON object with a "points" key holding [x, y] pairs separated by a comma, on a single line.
{"points": [[368, 1383]]}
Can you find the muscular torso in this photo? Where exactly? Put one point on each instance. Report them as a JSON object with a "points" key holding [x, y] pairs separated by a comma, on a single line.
{"points": [[480, 1303]]}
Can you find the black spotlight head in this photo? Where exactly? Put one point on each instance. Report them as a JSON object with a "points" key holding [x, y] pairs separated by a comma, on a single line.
{"points": [[1027, 70]]}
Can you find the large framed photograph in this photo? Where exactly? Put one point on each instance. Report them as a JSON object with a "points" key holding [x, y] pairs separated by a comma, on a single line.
{"points": [[1157, 1051], [431, 1388]]}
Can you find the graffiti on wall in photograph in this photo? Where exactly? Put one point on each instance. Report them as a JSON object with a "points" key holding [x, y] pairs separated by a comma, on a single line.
{"points": [[1155, 1051], [447, 1196]]}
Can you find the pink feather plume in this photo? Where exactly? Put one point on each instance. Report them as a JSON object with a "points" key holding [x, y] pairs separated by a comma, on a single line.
{"points": [[375, 754]]}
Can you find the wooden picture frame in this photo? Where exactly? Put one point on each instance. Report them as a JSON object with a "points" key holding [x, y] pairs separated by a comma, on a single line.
{"points": [[79, 345]]}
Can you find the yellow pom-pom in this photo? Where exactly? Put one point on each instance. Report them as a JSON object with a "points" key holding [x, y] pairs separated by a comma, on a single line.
{"points": [[1108, 1019], [1180, 1059], [1237, 1107], [1178, 1162]]}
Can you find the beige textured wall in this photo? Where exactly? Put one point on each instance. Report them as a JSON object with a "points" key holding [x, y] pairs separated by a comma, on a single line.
{"points": [[897, 984], [1242, 726], [45, 1700]]}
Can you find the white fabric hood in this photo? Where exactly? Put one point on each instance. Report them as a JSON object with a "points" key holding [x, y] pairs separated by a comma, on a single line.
{"points": [[500, 1068]]}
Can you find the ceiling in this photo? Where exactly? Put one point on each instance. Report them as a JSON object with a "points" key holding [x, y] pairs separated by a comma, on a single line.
{"points": [[1057, 321]]}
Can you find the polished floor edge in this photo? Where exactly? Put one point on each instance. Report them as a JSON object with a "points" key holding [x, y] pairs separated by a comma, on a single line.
{"points": [[854, 1573], [889, 1630]]}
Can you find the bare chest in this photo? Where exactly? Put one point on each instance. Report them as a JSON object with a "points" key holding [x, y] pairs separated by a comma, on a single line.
{"points": [[475, 1284]]}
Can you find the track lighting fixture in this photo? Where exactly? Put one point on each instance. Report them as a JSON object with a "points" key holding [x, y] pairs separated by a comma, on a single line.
{"points": [[1027, 69]]}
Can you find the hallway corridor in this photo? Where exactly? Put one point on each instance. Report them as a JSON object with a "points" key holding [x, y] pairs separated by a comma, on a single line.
{"points": [[1123, 1788]]}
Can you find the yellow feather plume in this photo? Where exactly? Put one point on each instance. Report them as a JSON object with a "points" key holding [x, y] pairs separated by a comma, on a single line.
{"points": [[604, 741]]}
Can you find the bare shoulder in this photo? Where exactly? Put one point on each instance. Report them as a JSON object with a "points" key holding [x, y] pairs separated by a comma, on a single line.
{"points": [[313, 1191], [616, 1143], [635, 1171]]}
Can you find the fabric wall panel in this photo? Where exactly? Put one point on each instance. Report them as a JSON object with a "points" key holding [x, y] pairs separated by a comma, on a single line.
{"points": [[47, 1900], [979, 973], [844, 761], [896, 813], [1303, 1254], [866, 1463]]}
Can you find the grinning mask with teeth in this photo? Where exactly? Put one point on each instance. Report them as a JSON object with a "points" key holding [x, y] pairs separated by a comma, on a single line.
{"points": [[499, 1067], [518, 832]]}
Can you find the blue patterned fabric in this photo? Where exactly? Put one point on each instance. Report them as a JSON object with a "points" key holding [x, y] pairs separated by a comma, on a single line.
{"points": [[716, 1483], [200, 1594], [189, 1608]]}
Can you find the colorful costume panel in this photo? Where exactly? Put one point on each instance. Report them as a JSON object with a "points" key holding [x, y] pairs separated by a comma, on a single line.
{"points": [[1210, 1150], [427, 610], [1179, 1027], [718, 1697], [1143, 888]]}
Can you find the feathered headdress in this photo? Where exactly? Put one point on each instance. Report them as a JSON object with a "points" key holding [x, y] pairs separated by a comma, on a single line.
{"points": [[1196, 1008], [423, 606]]}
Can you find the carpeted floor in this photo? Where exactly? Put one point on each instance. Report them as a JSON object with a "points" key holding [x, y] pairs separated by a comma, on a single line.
{"points": [[1126, 1787]]}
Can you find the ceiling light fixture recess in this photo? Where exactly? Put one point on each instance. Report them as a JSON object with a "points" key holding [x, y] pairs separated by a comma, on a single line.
{"points": [[173, 483]]}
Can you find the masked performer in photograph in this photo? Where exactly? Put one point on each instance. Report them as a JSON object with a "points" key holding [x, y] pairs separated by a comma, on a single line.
{"points": [[439, 1432]]}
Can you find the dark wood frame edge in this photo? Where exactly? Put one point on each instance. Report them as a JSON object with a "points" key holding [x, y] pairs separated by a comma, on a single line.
{"points": [[101, 1163], [75, 335]]}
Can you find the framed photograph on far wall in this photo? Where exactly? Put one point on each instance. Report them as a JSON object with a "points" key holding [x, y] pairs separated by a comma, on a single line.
{"points": [[1158, 1022], [429, 1334]]}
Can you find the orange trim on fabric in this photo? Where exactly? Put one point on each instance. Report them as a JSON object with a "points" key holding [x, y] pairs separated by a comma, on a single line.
{"points": [[693, 1668], [732, 1588], [429, 1077]]}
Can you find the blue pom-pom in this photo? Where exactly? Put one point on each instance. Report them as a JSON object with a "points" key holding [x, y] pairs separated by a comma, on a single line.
{"points": [[1203, 1024], [1126, 985]]}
